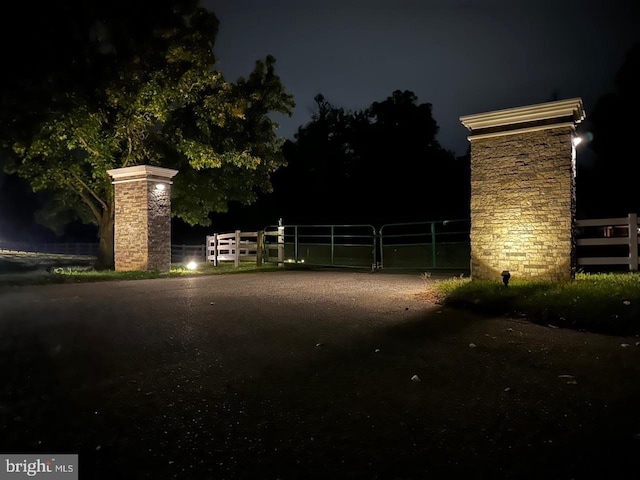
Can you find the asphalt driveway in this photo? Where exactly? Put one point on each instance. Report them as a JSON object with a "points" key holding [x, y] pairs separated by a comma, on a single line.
{"points": [[293, 375]]}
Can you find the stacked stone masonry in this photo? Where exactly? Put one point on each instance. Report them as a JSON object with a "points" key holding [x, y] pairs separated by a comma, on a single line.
{"points": [[143, 226], [159, 218], [523, 205], [131, 226]]}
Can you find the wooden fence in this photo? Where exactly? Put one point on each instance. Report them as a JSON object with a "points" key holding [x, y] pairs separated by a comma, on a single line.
{"points": [[184, 253], [71, 249], [611, 231], [219, 247], [236, 247], [246, 246], [251, 246]]}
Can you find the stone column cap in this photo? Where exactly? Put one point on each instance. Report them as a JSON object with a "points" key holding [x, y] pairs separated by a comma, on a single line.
{"points": [[142, 172], [528, 118]]}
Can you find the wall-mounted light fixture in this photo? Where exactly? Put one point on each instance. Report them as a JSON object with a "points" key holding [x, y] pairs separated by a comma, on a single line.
{"points": [[160, 186], [582, 138]]}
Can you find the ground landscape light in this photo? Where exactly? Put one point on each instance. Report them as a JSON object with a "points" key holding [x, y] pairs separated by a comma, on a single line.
{"points": [[192, 265]]}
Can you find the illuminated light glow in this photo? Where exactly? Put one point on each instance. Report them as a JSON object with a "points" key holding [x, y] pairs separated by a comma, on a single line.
{"points": [[576, 141], [192, 265], [512, 249], [160, 186]]}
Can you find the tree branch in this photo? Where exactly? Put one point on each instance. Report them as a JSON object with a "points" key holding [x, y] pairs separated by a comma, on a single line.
{"points": [[93, 194], [129, 148], [87, 200], [87, 147]]}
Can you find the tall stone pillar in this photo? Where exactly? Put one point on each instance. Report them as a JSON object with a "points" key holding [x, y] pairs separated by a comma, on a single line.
{"points": [[523, 191], [142, 218]]}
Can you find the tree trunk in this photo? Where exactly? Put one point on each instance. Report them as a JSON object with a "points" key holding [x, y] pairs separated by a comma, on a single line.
{"points": [[106, 259]]}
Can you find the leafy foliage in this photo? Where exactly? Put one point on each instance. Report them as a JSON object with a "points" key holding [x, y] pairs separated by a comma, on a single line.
{"points": [[375, 165], [140, 88]]}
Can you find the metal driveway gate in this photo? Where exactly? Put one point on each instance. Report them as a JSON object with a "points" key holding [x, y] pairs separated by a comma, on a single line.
{"points": [[418, 245], [426, 245], [321, 245]]}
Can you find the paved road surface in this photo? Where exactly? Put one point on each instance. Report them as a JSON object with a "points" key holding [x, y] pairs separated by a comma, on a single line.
{"points": [[295, 375]]}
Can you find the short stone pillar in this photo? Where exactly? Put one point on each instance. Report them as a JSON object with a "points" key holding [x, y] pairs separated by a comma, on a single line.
{"points": [[523, 191], [142, 231]]}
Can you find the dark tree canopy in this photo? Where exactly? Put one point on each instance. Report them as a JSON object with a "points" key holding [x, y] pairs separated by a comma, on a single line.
{"points": [[608, 188], [379, 165]]}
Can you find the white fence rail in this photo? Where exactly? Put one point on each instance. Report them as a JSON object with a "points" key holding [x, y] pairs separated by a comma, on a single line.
{"points": [[236, 247], [219, 247], [251, 246], [612, 231], [246, 246], [79, 249]]}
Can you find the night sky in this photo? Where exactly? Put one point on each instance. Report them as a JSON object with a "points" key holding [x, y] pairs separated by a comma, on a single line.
{"points": [[462, 56]]}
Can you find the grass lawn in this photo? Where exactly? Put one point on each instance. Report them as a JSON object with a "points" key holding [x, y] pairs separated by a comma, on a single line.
{"points": [[603, 303], [48, 269]]}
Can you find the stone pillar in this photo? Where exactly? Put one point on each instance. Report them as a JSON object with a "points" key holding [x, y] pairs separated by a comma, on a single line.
{"points": [[523, 191], [142, 233]]}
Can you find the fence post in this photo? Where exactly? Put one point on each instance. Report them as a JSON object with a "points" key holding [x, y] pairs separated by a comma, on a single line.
{"points": [[280, 246], [633, 242], [375, 264], [236, 261], [433, 244], [332, 247], [259, 246], [215, 249]]}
